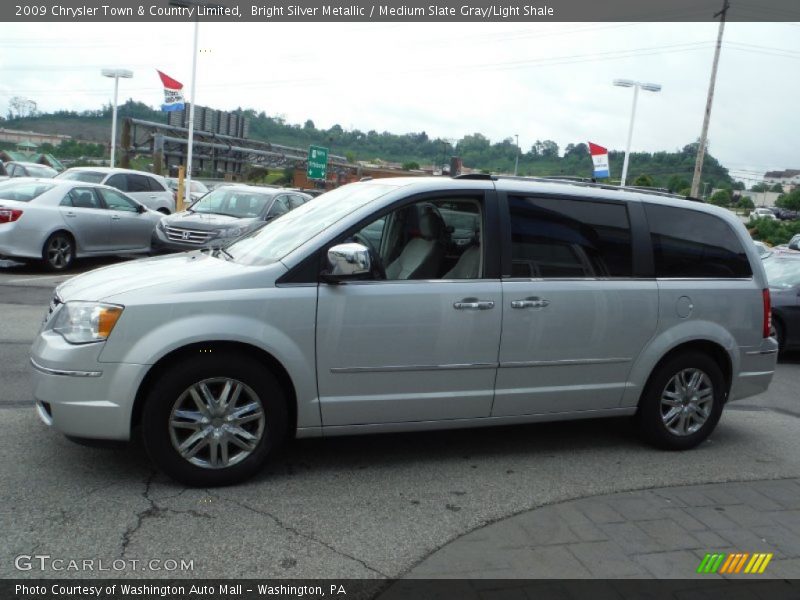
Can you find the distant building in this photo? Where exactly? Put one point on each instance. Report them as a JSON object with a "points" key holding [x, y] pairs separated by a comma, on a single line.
{"points": [[789, 179], [34, 138]]}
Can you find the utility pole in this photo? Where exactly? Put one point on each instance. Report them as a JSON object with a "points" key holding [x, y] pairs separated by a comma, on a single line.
{"points": [[701, 150]]}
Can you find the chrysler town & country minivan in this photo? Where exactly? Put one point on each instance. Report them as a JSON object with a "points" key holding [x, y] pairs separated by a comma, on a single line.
{"points": [[413, 304]]}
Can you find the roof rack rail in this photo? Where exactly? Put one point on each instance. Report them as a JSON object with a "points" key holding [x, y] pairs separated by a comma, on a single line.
{"points": [[480, 176], [582, 182], [603, 186]]}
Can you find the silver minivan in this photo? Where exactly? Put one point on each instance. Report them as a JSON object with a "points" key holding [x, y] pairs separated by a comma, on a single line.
{"points": [[411, 304]]}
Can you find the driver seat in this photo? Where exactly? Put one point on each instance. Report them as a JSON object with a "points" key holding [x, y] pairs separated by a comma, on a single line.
{"points": [[421, 257]]}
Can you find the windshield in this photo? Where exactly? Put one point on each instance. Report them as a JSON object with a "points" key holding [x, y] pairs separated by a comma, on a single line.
{"points": [[23, 192], [782, 272], [287, 233], [233, 203], [40, 171], [85, 176]]}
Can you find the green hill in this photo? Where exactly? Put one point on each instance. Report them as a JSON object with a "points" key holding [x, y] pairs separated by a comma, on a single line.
{"points": [[664, 169]]}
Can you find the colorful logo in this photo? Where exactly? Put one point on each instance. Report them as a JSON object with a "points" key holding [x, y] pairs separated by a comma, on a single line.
{"points": [[737, 562]]}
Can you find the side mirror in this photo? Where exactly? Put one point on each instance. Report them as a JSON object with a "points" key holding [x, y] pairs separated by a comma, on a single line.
{"points": [[140, 208], [347, 261]]}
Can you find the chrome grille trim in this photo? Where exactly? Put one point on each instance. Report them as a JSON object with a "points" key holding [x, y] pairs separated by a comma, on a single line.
{"points": [[187, 236]]}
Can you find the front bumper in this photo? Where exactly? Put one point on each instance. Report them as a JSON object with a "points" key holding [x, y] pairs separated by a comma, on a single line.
{"points": [[80, 396]]}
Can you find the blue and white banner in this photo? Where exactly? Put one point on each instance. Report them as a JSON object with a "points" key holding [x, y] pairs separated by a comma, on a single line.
{"points": [[173, 93], [600, 161]]}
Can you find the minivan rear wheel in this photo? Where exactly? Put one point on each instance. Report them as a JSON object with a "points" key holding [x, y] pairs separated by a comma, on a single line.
{"points": [[682, 403], [214, 419]]}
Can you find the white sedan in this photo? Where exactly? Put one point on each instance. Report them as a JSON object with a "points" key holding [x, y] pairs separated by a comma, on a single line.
{"points": [[56, 221]]}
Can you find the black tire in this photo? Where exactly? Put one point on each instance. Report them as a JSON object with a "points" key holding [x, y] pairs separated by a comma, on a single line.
{"points": [[58, 252], [164, 211], [780, 333], [652, 413], [165, 395]]}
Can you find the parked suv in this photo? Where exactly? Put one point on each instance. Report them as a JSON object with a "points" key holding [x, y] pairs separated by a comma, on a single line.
{"points": [[222, 215], [146, 188], [379, 306]]}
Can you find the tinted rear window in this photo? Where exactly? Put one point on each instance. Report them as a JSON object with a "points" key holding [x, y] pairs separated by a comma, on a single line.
{"points": [[559, 238], [690, 243], [23, 192]]}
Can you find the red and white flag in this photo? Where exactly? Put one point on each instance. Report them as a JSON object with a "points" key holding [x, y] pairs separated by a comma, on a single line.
{"points": [[173, 93], [600, 160]]}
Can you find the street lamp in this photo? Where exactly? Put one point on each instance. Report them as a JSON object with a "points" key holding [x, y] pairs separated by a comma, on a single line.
{"points": [[650, 87], [115, 74], [190, 140], [516, 157]]}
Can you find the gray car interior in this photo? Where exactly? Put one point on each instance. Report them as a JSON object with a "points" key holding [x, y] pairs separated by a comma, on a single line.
{"points": [[421, 257]]}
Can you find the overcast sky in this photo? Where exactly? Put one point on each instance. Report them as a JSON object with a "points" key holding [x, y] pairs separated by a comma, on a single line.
{"points": [[540, 81]]}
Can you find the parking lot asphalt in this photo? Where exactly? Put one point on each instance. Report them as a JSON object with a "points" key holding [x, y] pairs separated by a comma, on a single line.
{"points": [[361, 507]]}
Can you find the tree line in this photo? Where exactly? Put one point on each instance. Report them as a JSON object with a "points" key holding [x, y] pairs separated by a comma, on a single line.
{"points": [[670, 170]]}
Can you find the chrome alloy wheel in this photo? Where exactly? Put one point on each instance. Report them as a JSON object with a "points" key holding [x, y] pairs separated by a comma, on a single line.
{"points": [[216, 423], [686, 402], [59, 252]]}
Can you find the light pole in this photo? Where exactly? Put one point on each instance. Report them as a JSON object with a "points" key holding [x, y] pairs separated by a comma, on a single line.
{"points": [[192, 87], [650, 87], [516, 157], [115, 74]]}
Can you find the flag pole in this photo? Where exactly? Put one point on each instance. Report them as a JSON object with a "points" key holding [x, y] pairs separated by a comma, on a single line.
{"points": [[190, 142]]}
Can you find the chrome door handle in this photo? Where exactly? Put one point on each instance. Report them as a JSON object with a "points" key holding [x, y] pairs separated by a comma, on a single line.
{"points": [[473, 304], [115, 217], [530, 303], [70, 214]]}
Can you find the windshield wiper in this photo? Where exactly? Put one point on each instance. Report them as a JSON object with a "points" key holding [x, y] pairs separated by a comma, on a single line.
{"points": [[222, 250]]}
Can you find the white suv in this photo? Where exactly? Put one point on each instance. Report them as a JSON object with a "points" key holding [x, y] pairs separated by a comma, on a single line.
{"points": [[147, 188], [379, 306]]}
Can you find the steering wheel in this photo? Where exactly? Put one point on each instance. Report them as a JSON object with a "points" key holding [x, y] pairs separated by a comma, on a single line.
{"points": [[377, 263]]}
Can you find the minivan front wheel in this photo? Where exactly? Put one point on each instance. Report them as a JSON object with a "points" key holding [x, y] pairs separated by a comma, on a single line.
{"points": [[214, 422], [682, 402]]}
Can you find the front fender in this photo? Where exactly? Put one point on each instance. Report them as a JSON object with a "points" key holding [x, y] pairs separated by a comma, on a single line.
{"points": [[146, 334]]}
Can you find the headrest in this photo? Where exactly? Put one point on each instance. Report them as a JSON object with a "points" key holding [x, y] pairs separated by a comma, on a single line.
{"points": [[431, 225]]}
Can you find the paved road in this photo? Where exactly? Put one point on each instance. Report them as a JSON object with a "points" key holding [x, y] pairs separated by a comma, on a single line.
{"points": [[368, 507]]}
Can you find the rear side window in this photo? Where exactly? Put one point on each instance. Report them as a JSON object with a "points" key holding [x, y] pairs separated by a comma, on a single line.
{"points": [[690, 243], [138, 183], [118, 181], [559, 238], [155, 185]]}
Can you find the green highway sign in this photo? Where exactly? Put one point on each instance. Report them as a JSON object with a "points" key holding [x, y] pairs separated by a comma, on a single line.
{"points": [[317, 162]]}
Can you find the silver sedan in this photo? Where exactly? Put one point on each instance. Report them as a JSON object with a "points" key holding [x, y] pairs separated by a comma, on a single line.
{"points": [[55, 221]]}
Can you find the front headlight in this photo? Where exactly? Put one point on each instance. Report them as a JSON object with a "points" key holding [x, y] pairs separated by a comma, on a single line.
{"points": [[84, 322], [232, 232]]}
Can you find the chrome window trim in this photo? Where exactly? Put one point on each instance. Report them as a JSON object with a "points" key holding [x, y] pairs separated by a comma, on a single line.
{"points": [[64, 372], [410, 281]]}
